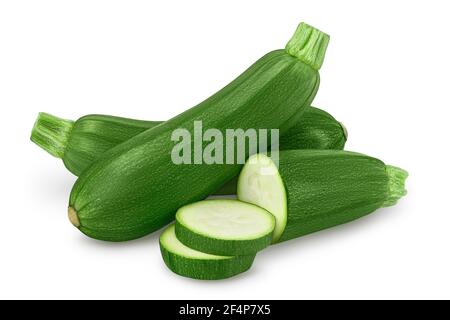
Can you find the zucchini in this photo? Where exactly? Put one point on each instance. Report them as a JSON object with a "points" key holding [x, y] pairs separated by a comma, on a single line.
{"points": [[79, 143], [224, 227], [316, 189], [190, 263], [135, 188]]}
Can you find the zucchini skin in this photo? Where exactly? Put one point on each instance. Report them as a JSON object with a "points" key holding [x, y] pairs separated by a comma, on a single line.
{"points": [[135, 189], [92, 135], [326, 188]]}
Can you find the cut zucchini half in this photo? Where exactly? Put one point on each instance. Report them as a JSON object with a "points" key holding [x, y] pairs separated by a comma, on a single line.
{"points": [[190, 263], [312, 190], [260, 184], [224, 227]]}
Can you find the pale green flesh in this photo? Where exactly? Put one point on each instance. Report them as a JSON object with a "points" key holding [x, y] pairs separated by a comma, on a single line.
{"points": [[171, 243], [226, 219], [260, 184]]}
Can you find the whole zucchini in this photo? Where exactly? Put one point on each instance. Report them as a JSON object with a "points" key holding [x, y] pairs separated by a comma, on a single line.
{"points": [[312, 190], [79, 143], [135, 188]]}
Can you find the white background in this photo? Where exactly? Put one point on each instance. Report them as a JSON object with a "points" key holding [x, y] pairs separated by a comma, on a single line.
{"points": [[386, 76]]}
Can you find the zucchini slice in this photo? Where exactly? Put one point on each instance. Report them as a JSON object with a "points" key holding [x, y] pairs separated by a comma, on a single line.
{"points": [[312, 190], [224, 227], [190, 263]]}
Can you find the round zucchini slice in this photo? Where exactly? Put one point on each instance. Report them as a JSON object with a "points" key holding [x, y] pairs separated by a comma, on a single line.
{"points": [[224, 227], [191, 263]]}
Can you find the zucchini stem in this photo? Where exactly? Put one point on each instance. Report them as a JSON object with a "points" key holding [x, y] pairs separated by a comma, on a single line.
{"points": [[308, 45], [51, 133], [396, 185]]}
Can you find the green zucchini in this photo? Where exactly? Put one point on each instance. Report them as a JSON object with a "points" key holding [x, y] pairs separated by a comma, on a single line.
{"points": [[135, 188], [79, 143], [224, 227], [194, 264], [312, 190]]}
